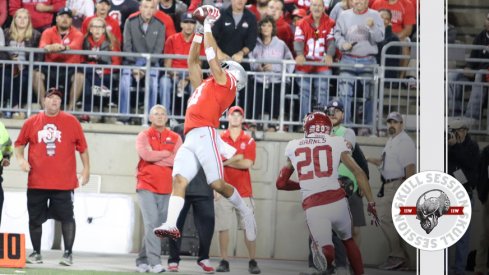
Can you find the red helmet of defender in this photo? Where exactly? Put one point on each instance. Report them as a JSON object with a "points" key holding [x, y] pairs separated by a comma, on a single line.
{"points": [[317, 123]]}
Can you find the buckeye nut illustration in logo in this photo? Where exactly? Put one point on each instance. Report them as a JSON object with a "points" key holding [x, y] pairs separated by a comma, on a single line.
{"points": [[431, 210]]}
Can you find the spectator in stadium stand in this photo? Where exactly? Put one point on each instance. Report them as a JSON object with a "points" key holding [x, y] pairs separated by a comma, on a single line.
{"points": [[164, 18], [177, 81], [41, 13], [235, 32], [102, 10], [334, 13], [283, 31], [297, 15], [81, 9], [120, 10], [20, 35], [98, 80], [314, 42], [388, 37], [55, 40], [175, 9], [403, 20], [143, 33], [267, 88], [478, 94], [357, 32], [3, 12], [259, 9]]}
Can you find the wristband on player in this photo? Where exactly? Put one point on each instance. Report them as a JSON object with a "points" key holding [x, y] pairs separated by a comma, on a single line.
{"points": [[207, 28], [210, 54], [198, 38]]}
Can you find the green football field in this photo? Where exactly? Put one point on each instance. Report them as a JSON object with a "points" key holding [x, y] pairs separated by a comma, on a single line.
{"points": [[48, 271]]}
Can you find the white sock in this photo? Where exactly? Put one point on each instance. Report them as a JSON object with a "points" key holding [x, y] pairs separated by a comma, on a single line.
{"points": [[175, 206], [238, 202]]}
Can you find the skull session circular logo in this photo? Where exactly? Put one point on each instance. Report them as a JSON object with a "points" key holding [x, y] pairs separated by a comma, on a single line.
{"points": [[431, 210]]}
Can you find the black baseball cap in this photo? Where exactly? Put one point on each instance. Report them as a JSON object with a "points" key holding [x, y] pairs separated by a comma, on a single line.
{"points": [[54, 91], [65, 10], [187, 17], [336, 103], [106, 1]]}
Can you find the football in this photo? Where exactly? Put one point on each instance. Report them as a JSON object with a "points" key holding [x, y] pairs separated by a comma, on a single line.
{"points": [[201, 13]]}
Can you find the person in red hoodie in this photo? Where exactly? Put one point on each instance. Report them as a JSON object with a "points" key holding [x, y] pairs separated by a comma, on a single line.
{"points": [[98, 80], [41, 12], [156, 147], [55, 41]]}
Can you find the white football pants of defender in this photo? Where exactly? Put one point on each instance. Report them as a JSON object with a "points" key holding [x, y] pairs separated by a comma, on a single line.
{"points": [[321, 219]]}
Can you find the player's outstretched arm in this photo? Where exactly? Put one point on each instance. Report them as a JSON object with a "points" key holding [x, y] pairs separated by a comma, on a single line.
{"points": [[211, 48], [194, 69]]}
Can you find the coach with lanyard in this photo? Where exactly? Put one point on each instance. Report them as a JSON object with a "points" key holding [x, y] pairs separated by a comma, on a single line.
{"points": [[398, 162]]}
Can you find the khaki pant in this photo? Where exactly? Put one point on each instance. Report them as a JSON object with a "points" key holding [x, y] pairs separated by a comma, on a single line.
{"points": [[397, 246]]}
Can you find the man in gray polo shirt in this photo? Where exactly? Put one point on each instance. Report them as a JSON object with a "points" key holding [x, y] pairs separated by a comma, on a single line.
{"points": [[397, 163]]}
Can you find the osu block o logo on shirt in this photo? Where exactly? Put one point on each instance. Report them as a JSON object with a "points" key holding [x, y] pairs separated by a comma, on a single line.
{"points": [[49, 135], [431, 210]]}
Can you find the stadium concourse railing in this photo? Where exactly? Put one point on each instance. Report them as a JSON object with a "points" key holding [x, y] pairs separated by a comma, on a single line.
{"points": [[20, 84], [466, 89]]}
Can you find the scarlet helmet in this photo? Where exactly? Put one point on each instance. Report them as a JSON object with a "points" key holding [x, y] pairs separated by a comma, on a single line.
{"points": [[317, 123]]}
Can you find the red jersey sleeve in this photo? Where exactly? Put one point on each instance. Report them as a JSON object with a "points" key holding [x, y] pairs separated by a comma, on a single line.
{"points": [[410, 16], [250, 152], [169, 49], [81, 143]]}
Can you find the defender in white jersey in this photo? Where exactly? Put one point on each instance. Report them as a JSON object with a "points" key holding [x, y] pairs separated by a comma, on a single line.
{"points": [[316, 158]]}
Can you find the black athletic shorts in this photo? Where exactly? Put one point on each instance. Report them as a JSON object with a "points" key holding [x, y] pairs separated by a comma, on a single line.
{"points": [[44, 204]]}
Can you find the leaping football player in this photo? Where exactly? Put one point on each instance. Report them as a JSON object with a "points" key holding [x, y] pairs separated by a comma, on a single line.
{"points": [[203, 146], [316, 158]]}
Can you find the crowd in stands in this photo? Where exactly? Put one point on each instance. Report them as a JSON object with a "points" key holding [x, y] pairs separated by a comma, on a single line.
{"points": [[322, 31]]}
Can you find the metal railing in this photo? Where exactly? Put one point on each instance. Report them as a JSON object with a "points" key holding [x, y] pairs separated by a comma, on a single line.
{"points": [[467, 88], [276, 99]]}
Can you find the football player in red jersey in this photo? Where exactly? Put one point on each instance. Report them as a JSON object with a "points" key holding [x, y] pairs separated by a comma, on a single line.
{"points": [[203, 146], [316, 158]]}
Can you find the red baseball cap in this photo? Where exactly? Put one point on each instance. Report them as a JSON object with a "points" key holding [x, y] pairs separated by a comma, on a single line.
{"points": [[236, 109], [299, 12]]}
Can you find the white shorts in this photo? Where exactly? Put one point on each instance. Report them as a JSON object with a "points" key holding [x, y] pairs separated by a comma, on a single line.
{"points": [[321, 219], [224, 213], [202, 148]]}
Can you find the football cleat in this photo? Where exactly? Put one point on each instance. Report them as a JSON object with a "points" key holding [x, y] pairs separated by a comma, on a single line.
{"points": [[167, 231]]}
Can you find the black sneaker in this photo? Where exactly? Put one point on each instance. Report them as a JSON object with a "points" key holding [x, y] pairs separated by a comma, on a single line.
{"points": [[253, 267], [223, 266], [34, 258], [67, 259]]}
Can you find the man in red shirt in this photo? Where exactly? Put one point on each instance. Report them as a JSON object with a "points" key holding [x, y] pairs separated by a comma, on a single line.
{"points": [[403, 21], [53, 137], [172, 81], [236, 172], [41, 11], [203, 147], [55, 41], [284, 31], [314, 41], [102, 10], [156, 147]]}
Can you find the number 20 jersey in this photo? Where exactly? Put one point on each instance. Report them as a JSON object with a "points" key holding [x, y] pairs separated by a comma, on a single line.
{"points": [[316, 160]]}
